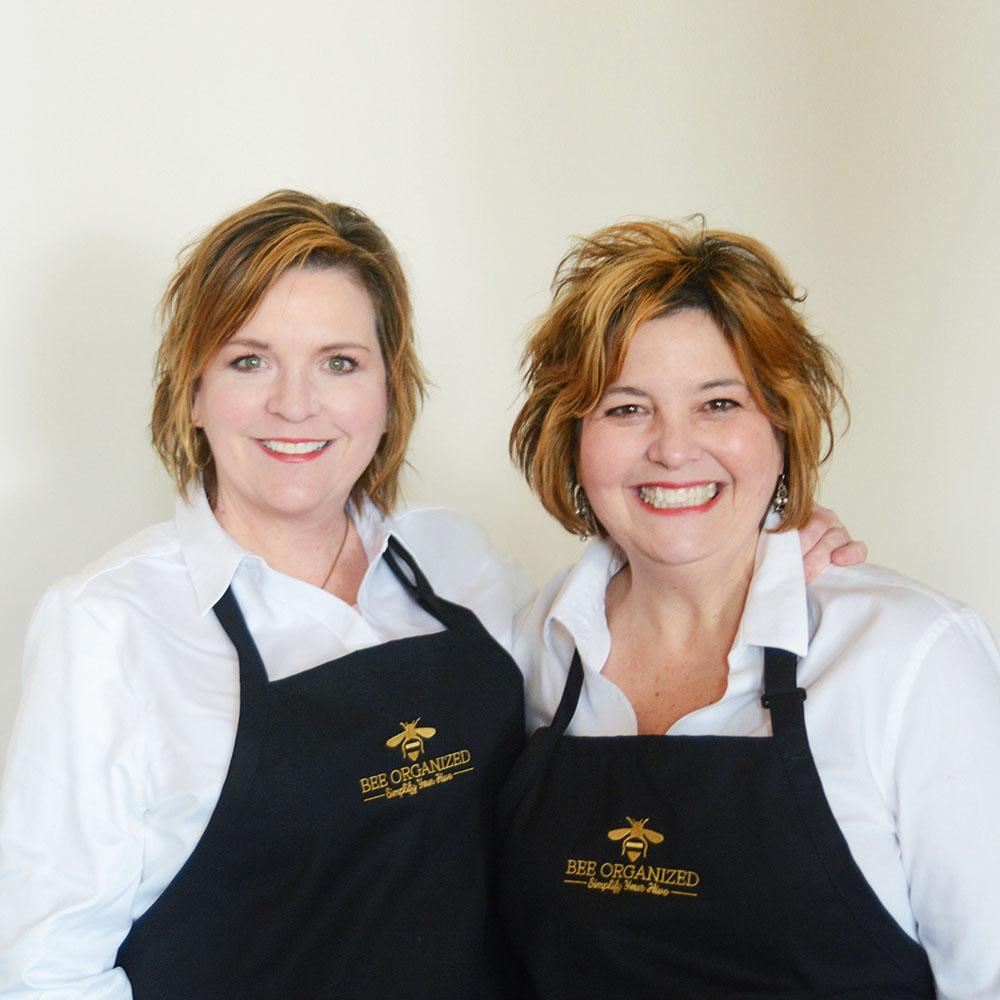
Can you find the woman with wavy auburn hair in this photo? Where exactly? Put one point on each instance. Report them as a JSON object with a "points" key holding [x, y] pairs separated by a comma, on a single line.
{"points": [[259, 748], [219, 285], [741, 783]]}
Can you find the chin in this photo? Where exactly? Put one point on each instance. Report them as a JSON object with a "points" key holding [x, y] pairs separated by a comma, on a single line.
{"points": [[297, 503], [678, 551]]}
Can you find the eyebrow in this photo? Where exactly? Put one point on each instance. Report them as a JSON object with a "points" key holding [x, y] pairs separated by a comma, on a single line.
{"points": [[721, 383], [260, 345]]}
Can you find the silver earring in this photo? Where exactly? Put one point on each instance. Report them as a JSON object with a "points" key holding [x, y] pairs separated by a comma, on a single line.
{"points": [[780, 500], [581, 507]]}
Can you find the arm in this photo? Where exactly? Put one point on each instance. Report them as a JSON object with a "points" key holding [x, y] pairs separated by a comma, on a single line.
{"points": [[947, 770], [70, 824], [825, 540]]}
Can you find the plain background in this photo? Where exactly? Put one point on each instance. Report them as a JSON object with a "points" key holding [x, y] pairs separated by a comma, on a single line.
{"points": [[860, 140]]}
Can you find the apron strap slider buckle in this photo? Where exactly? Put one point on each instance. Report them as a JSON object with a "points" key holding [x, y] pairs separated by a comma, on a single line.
{"points": [[766, 699]]}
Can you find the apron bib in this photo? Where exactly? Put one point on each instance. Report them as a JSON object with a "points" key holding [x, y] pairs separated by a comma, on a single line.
{"points": [[348, 855], [691, 868]]}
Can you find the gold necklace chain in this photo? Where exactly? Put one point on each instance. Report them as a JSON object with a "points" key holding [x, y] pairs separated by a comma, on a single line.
{"points": [[340, 549]]}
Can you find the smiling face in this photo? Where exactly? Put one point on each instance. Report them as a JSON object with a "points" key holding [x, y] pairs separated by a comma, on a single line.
{"points": [[677, 461], [294, 404]]}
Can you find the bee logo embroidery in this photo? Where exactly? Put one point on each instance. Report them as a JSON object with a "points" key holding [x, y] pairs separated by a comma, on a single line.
{"points": [[635, 838], [411, 740]]}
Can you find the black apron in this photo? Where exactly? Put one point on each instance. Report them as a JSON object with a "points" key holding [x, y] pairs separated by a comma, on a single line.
{"points": [[349, 852], [691, 868]]}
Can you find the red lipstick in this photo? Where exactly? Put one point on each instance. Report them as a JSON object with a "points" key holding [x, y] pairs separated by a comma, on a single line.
{"points": [[293, 457]]}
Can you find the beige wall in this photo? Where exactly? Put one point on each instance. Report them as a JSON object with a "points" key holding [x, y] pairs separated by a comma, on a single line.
{"points": [[858, 139]]}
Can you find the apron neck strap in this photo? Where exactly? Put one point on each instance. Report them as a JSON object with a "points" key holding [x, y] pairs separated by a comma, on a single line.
{"points": [[570, 696], [417, 584], [782, 696], [409, 574], [252, 671]]}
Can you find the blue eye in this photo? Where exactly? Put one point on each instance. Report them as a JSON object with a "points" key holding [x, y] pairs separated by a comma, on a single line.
{"points": [[247, 363]]}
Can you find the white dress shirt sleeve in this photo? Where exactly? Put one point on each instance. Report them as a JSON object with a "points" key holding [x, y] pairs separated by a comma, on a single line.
{"points": [[947, 777], [71, 846]]}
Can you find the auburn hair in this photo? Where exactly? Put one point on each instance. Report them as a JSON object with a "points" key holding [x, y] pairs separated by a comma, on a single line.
{"points": [[220, 280], [612, 282]]}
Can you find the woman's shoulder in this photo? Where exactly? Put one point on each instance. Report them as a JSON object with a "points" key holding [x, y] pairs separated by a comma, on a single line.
{"points": [[875, 590], [155, 544], [869, 607], [141, 571], [574, 595]]}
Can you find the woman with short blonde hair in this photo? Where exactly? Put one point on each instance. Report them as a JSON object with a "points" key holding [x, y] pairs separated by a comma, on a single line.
{"points": [[258, 742], [220, 282], [626, 275], [739, 784]]}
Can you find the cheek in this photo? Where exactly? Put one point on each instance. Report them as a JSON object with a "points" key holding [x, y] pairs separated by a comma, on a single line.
{"points": [[588, 466], [604, 458], [365, 410], [761, 458], [222, 408]]}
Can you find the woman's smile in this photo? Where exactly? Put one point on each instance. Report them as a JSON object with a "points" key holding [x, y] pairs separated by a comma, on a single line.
{"points": [[293, 449], [686, 498]]}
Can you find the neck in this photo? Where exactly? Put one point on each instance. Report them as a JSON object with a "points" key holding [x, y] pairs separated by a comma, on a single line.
{"points": [[680, 602], [304, 550]]}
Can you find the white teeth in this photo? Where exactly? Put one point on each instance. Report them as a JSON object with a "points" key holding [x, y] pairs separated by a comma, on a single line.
{"points": [[662, 497], [294, 447]]}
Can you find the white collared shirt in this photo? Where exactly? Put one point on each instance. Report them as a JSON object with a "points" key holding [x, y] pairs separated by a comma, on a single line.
{"points": [[129, 714], [903, 717]]}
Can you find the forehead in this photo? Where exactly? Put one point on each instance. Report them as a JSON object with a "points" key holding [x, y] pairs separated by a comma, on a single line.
{"points": [[319, 293], [685, 347]]}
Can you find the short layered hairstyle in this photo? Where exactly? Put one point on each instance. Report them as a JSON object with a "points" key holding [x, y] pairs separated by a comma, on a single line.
{"points": [[220, 280], [612, 282]]}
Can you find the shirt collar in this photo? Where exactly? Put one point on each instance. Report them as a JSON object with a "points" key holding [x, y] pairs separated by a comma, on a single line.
{"points": [[775, 613], [373, 528], [213, 557], [578, 605]]}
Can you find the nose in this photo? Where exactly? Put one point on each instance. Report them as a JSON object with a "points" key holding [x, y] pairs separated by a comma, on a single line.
{"points": [[673, 441], [293, 396]]}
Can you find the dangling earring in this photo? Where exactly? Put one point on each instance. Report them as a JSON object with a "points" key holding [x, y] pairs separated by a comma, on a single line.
{"points": [[780, 500], [581, 507]]}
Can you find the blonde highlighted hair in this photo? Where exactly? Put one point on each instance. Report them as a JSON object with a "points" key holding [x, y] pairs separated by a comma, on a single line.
{"points": [[611, 283], [221, 279]]}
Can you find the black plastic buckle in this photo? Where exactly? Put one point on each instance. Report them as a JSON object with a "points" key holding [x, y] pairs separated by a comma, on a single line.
{"points": [[766, 702]]}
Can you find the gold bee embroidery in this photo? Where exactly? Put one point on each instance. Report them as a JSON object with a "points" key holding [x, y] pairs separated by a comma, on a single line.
{"points": [[635, 838], [411, 740]]}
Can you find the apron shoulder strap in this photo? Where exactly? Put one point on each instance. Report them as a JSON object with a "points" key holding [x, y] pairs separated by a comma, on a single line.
{"points": [[409, 574], [395, 553], [252, 672], [570, 696], [783, 698]]}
